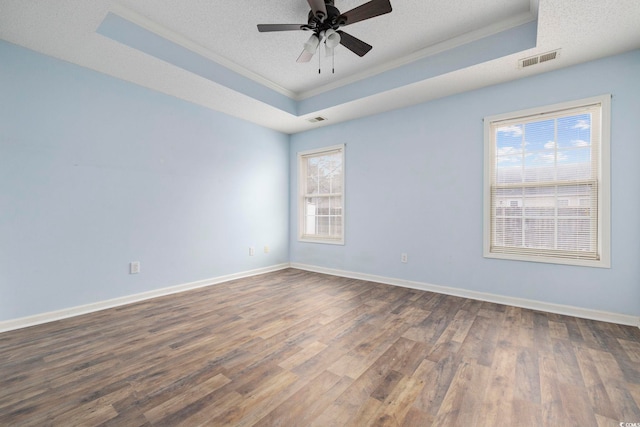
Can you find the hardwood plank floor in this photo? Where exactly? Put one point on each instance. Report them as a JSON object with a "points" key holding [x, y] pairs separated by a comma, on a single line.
{"points": [[295, 348]]}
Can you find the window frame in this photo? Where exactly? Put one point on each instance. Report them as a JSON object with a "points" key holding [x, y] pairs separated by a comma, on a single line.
{"points": [[302, 183], [603, 181]]}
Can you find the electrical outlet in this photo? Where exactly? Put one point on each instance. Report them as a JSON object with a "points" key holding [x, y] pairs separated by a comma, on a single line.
{"points": [[252, 251], [403, 258], [266, 249], [134, 267]]}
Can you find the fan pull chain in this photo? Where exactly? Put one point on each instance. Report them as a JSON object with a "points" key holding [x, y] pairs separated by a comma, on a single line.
{"points": [[333, 61], [318, 59]]}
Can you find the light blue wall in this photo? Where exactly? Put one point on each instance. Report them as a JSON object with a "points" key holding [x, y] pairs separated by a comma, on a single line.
{"points": [[414, 185], [96, 172]]}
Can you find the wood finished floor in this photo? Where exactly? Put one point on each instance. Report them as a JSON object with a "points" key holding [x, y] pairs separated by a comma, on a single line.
{"points": [[295, 348]]}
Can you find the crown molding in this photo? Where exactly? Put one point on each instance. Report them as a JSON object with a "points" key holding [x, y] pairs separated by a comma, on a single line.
{"points": [[431, 50], [187, 43]]}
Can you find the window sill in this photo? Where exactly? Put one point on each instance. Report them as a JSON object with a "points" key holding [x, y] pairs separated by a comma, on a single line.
{"points": [[551, 260], [320, 240]]}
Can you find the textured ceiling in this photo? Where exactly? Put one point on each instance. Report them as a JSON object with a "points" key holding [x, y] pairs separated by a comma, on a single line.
{"points": [[225, 32], [229, 29]]}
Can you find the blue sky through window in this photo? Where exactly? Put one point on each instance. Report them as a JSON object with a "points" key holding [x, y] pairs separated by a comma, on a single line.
{"points": [[545, 144]]}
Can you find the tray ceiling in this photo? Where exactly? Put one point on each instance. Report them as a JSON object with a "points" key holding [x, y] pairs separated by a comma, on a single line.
{"points": [[224, 33]]}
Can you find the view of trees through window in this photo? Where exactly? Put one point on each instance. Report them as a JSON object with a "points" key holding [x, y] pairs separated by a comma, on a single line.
{"points": [[323, 195]]}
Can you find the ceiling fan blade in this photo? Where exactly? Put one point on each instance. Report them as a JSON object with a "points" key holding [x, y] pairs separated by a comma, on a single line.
{"points": [[305, 56], [264, 28], [368, 10], [355, 45], [318, 6]]}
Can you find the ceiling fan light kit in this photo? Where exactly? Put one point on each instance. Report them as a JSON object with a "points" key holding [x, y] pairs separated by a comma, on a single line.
{"points": [[325, 20], [332, 38], [312, 44]]}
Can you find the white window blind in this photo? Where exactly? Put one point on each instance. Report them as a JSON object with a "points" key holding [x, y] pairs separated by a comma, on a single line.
{"points": [[544, 184], [321, 190]]}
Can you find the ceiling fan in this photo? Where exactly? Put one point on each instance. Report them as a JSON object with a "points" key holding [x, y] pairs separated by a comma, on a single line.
{"points": [[325, 20]]}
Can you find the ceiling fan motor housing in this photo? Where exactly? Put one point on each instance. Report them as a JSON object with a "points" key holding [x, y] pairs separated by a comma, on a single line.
{"points": [[333, 20], [324, 20]]}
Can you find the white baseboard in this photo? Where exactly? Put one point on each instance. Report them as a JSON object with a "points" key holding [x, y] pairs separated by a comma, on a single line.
{"points": [[584, 313], [23, 322]]}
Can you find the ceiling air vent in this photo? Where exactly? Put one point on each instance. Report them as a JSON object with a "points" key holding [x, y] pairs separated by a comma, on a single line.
{"points": [[538, 59], [548, 56], [317, 119]]}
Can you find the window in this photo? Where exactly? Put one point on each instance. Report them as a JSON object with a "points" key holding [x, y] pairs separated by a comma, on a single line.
{"points": [[321, 195], [554, 163]]}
